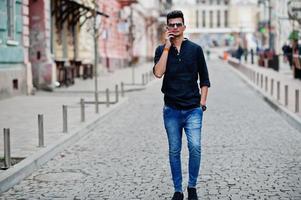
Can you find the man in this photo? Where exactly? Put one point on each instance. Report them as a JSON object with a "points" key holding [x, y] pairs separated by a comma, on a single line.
{"points": [[182, 63], [296, 52], [240, 52], [288, 53]]}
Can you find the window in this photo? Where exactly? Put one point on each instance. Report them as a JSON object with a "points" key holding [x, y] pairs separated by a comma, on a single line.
{"points": [[201, 1], [218, 18], [11, 19], [197, 18], [218, 2], [15, 84], [226, 18], [226, 2], [204, 18], [211, 19]]}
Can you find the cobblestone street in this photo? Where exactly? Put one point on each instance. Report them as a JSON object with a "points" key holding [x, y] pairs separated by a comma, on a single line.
{"points": [[248, 152]]}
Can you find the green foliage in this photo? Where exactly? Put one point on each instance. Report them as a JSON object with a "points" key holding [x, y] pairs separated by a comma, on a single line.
{"points": [[294, 35]]}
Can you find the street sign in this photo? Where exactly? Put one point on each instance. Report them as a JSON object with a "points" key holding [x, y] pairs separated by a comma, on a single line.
{"points": [[294, 10]]}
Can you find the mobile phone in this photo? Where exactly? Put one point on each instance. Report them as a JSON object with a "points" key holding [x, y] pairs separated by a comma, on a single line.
{"points": [[171, 37]]}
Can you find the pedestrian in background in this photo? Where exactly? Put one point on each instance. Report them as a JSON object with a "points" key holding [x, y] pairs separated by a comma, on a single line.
{"points": [[239, 53], [208, 54], [296, 59], [182, 63], [288, 54]]}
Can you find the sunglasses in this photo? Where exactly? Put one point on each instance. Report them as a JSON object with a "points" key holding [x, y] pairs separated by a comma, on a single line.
{"points": [[172, 25]]}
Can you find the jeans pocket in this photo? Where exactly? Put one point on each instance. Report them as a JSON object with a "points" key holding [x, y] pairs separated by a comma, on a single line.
{"points": [[166, 110]]}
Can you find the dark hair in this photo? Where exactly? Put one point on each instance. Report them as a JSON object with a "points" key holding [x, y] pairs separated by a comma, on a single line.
{"points": [[175, 14]]}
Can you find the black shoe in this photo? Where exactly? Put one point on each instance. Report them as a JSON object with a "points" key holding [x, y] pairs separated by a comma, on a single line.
{"points": [[178, 196], [192, 195]]}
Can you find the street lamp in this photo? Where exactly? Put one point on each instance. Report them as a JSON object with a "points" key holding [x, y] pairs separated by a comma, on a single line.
{"points": [[132, 38], [96, 23], [96, 36]]}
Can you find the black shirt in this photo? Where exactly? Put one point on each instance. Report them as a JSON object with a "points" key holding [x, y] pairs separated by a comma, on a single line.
{"points": [[180, 82]]}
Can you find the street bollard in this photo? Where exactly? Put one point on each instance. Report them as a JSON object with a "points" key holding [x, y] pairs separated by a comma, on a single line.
{"points": [[143, 81], [65, 120], [257, 79], [296, 100], [278, 90], [261, 81], [116, 93], [252, 56], [250, 75], [41, 130], [82, 110], [7, 158], [108, 97], [122, 89], [286, 95], [272, 87], [266, 83], [146, 78]]}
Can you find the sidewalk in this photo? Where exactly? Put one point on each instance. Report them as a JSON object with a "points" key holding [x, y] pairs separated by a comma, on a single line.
{"points": [[20, 113], [279, 88]]}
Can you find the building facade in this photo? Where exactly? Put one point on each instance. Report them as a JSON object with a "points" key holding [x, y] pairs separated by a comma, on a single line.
{"points": [[40, 56], [243, 20], [145, 30], [281, 24], [217, 22], [113, 40], [41, 40], [207, 21], [15, 67]]}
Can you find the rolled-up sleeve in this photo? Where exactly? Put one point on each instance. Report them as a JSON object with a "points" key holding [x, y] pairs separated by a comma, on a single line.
{"points": [[202, 69], [158, 53], [157, 57]]}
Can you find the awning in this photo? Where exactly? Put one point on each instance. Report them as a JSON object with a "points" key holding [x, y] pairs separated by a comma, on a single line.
{"points": [[124, 3], [72, 10]]}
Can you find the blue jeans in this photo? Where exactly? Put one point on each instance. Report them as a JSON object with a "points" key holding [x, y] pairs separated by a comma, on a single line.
{"points": [[191, 121]]}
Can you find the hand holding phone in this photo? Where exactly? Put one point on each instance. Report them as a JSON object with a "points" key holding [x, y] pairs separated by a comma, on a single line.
{"points": [[169, 38]]}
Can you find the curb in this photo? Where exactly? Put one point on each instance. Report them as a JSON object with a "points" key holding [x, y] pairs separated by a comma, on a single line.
{"points": [[18, 172], [288, 115]]}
